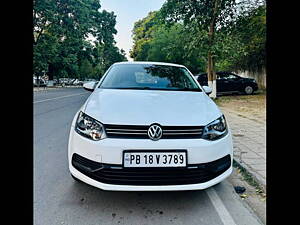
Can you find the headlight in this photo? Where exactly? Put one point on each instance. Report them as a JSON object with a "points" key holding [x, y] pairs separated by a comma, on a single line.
{"points": [[89, 127], [216, 129]]}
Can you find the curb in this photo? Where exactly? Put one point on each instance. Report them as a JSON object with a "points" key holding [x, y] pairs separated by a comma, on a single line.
{"points": [[38, 89], [253, 176]]}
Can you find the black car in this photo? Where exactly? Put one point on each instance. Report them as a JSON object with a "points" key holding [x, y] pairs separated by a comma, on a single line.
{"points": [[228, 82]]}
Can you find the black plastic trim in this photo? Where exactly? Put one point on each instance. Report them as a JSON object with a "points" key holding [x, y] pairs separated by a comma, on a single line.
{"points": [[116, 174]]}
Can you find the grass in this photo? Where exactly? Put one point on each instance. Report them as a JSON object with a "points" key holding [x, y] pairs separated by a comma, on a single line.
{"points": [[249, 179], [253, 106], [257, 97]]}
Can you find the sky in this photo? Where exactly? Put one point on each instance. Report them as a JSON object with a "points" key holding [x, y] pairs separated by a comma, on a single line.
{"points": [[128, 12]]}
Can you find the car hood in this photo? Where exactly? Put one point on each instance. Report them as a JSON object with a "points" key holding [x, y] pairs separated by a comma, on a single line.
{"points": [[144, 107]]}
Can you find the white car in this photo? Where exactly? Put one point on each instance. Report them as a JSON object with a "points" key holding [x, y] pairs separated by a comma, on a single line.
{"points": [[149, 126], [39, 82]]}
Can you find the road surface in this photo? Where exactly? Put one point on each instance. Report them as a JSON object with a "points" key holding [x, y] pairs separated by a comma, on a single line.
{"points": [[58, 199]]}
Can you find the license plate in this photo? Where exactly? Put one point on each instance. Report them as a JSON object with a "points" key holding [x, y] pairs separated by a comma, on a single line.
{"points": [[154, 159]]}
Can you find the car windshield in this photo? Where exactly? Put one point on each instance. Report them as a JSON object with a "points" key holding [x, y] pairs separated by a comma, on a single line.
{"points": [[149, 77]]}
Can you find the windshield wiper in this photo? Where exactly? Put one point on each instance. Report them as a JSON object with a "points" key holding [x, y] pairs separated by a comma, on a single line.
{"points": [[134, 88], [153, 88], [187, 89]]}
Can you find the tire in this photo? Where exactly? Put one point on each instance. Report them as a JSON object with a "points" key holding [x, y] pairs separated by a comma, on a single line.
{"points": [[248, 90]]}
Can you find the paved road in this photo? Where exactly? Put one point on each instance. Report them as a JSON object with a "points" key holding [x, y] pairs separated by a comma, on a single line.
{"points": [[60, 200]]}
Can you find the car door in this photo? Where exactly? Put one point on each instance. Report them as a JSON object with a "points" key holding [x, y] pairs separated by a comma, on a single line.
{"points": [[227, 82], [233, 82], [222, 83], [202, 79]]}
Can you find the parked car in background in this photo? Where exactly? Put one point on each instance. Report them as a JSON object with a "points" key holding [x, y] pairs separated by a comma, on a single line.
{"points": [[77, 82], [196, 76], [63, 81], [228, 82], [89, 80], [39, 82]]}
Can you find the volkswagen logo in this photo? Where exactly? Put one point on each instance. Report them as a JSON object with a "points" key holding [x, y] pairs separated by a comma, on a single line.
{"points": [[155, 132]]}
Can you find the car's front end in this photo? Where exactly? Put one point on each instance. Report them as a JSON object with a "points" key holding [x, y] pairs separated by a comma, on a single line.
{"points": [[249, 82], [254, 84], [150, 140]]}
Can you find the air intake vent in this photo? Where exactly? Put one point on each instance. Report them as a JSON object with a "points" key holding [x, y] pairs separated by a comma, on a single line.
{"points": [[116, 174]]}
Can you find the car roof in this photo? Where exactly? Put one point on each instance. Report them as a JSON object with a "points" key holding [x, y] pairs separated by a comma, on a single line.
{"points": [[149, 62]]}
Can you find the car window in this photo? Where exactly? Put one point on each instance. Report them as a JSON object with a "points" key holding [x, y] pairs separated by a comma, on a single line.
{"points": [[219, 77], [149, 76], [235, 76], [232, 76], [226, 76], [202, 77]]}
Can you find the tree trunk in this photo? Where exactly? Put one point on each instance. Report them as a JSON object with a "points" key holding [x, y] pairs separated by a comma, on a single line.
{"points": [[211, 75], [50, 75], [214, 83], [209, 70], [38, 80]]}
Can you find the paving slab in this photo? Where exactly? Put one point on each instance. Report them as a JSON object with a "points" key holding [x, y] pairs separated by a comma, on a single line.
{"points": [[249, 141]]}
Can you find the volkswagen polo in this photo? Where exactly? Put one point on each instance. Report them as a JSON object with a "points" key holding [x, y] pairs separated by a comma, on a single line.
{"points": [[149, 126]]}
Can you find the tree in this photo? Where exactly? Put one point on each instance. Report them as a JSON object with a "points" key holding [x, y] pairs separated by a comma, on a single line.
{"points": [[62, 31], [156, 41], [204, 17], [250, 29], [142, 34], [242, 45], [236, 39], [169, 45], [85, 69]]}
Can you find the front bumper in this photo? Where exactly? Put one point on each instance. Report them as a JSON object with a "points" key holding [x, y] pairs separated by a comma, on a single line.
{"points": [[110, 152], [114, 187], [255, 87]]}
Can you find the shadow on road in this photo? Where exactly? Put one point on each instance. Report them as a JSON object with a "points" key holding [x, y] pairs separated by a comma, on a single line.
{"points": [[144, 204]]}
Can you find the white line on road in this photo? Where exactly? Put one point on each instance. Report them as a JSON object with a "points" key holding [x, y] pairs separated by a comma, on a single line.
{"points": [[220, 207], [65, 96]]}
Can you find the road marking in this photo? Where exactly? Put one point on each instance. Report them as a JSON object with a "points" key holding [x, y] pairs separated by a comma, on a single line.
{"points": [[65, 96], [220, 207]]}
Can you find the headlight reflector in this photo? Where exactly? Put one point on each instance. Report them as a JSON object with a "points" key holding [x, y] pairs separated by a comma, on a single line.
{"points": [[216, 129], [89, 127]]}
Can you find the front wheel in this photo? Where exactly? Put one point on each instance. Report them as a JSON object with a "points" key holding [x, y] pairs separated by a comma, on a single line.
{"points": [[248, 90]]}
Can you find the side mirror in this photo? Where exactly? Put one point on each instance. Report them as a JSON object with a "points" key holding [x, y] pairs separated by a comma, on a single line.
{"points": [[89, 86], [207, 89]]}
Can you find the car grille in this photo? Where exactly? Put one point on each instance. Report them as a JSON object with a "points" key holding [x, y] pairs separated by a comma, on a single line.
{"points": [[169, 132], [116, 174]]}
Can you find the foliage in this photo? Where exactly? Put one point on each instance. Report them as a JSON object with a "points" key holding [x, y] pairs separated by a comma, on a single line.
{"points": [[180, 32], [250, 30], [169, 45], [205, 18], [156, 41], [142, 34], [85, 69], [62, 33]]}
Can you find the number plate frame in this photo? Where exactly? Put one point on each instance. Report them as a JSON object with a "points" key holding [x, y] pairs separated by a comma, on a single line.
{"points": [[155, 151]]}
